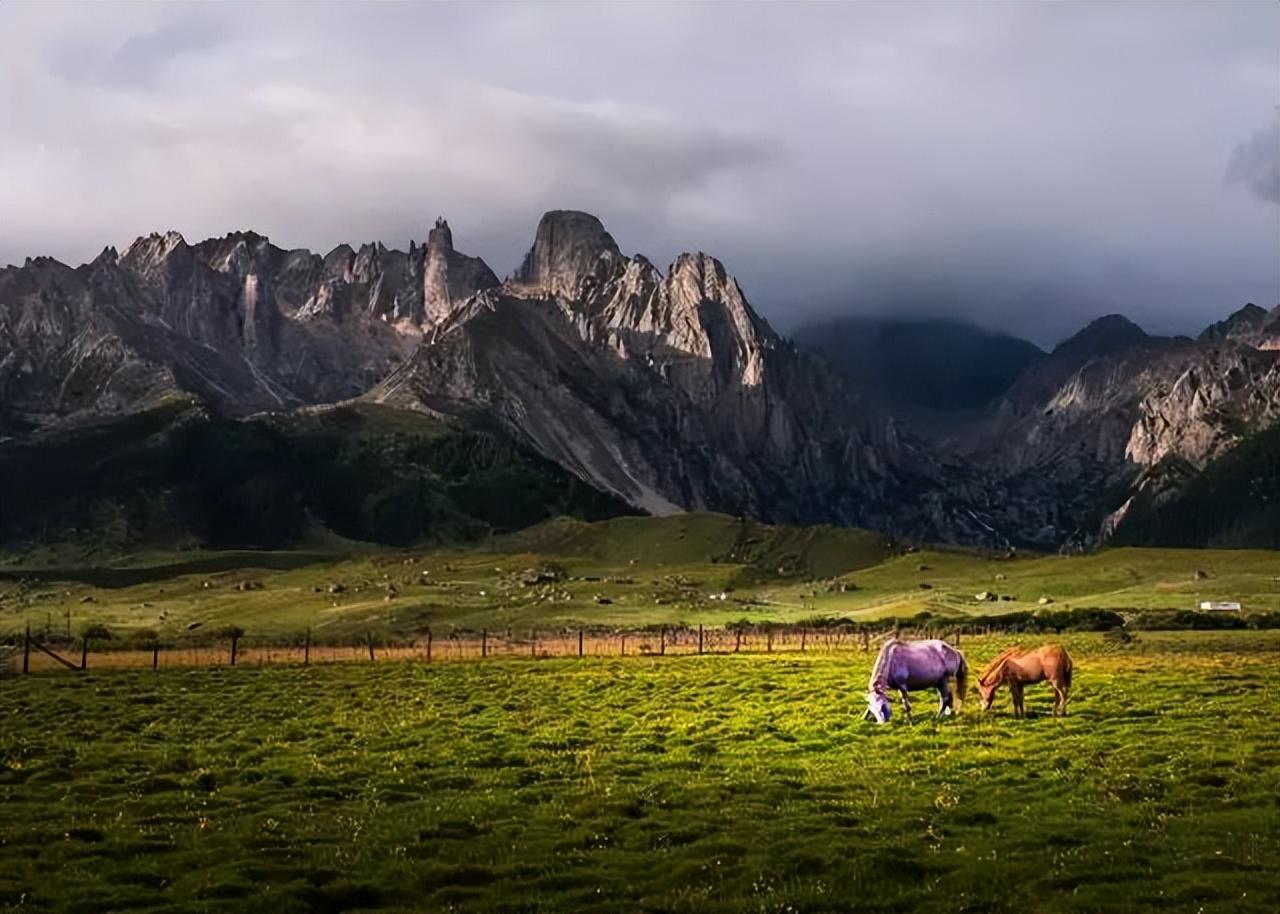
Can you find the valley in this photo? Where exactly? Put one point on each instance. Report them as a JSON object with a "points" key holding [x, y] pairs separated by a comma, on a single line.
{"points": [[625, 573]]}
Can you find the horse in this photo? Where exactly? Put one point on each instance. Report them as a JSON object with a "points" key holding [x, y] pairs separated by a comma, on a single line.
{"points": [[905, 665], [1018, 668]]}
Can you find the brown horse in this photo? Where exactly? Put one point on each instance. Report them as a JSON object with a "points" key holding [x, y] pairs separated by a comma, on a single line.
{"points": [[1018, 668]]}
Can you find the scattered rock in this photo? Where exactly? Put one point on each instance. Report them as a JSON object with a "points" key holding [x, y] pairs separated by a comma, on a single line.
{"points": [[1045, 601], [1117, 635]]}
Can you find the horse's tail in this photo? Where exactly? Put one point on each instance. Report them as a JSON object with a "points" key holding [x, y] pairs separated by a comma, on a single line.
{"points": [[962, 680]]}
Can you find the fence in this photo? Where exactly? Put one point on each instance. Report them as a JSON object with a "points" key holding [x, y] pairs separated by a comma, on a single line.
{"points": [[35, 655]]}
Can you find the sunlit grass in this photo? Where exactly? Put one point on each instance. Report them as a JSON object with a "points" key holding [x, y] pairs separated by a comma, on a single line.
{"points": [[685, 784], [695, 568]]}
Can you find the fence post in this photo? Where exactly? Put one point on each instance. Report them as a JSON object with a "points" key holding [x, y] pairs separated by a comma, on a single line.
{"points": [[866, 641], [662, 641], [84, 653], [579, 642], [804, 637], [699, 637], [484, 643], [428, 644], [768, 640], [533, 643], [26, 650], [155, 657], [306, 649], [369, 638], [624, 644]]}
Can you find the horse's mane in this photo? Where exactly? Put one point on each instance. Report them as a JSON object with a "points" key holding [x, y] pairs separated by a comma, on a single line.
{"points": [[997, 664], [878, 674]]}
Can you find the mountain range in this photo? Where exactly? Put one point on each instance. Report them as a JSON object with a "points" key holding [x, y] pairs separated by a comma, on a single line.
{"points": [[662, 389]]}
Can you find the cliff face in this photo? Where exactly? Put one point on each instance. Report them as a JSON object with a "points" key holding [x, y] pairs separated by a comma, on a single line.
{"points": [[667, 390], [661, 387], [236, 321], [1114, 413], [451, 278]]}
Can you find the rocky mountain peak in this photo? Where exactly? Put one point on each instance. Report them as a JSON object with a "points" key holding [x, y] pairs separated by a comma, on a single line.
{"points": [[1105, 335], [108, 257], [448, 277], [1243, 325], [568, 247], [440, 235], [151, 250]]}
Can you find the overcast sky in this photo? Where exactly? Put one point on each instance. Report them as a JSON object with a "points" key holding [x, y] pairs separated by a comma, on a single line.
{"points": [[1028, 165]]}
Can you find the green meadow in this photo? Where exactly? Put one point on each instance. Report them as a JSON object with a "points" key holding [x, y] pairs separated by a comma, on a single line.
{"points": [[693, 568], [698, 784]]}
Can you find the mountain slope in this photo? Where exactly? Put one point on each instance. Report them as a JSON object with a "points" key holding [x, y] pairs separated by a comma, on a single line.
{"points": [[1111, 403], [664, 389], [178, 476], [925, 369], [236, 321], [669, 391], [1234, 502]]}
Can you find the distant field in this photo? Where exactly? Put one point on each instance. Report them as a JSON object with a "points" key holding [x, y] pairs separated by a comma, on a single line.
{"points": [[695, 784], [695, 568]]}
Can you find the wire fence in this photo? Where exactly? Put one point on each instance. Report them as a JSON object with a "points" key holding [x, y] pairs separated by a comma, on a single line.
{"points": [[34, 654]]}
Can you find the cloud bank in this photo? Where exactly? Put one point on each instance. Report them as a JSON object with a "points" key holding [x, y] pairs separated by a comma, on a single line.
{"points": [[1026, 165]]}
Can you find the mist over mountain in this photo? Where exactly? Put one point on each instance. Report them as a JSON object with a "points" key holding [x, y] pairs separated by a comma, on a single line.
{"points": [[921, 368], [1028, 170]]}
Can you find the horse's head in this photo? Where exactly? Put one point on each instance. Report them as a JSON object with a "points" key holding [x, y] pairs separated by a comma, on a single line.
{"points": [[987, 691], [878, 708]]}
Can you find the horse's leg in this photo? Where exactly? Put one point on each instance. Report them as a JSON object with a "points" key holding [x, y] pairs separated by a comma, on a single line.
{"points": [[906, 704], [1015, 694], [944, 698]]}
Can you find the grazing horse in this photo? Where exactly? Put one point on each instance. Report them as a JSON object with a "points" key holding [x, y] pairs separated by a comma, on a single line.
{"points": [[905, 665], [1018, 668]]}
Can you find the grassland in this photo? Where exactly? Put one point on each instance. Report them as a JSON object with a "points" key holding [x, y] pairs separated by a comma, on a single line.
{"points": [[717, 783], [694, 568]]}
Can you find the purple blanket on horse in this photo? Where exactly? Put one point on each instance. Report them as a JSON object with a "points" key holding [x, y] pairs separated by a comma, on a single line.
{"points": [[904, 666]]}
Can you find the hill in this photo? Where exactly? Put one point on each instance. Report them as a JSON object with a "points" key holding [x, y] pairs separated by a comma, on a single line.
{"points": [[329, 477], [624, 572]]}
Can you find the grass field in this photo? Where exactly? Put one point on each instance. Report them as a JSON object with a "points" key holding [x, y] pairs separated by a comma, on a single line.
{"points": [[714, 783], [624, 572]]}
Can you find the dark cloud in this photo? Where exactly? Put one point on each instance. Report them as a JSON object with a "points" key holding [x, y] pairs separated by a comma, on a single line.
{"points": [[1026, 165], [143, 59], [1255, 163]]}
